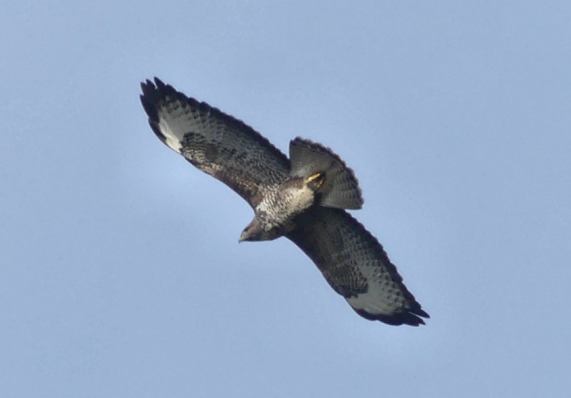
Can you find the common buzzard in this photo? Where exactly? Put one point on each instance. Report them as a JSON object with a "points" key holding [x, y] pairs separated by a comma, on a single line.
{"points": [[302, 198]]}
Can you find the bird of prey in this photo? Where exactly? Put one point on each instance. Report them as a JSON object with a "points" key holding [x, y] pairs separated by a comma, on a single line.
{"points": [[302, 198]]}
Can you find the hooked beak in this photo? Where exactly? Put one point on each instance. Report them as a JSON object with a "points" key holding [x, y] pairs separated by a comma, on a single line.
{"points": [[243, 237]]}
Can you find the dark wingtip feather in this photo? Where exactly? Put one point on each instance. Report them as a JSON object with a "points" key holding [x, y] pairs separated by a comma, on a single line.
{"points": [[159, 83], [150, 99], [401, 318], [150, 109], [148, 88], [421, 313], [153, 94]]}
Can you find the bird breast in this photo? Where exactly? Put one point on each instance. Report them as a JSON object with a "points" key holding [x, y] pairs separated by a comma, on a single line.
{"points": [[286, 201]]}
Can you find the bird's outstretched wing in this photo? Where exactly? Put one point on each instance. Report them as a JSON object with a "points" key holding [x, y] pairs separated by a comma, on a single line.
{"points": [[216, 143], [356, 266]]}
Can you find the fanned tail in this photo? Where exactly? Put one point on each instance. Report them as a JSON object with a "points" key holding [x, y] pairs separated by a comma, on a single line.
{"points": [[337, 185]]}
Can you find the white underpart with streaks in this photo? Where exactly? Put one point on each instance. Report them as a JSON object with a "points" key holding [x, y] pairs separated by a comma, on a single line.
{"points": [[282, 204]]}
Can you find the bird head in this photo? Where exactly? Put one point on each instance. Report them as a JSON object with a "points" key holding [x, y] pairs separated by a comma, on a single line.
{"points": [[255, 231], [252, 232]]}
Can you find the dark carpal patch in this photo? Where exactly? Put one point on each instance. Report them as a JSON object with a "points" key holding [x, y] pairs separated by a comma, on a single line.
{"points": [[211, 152]]}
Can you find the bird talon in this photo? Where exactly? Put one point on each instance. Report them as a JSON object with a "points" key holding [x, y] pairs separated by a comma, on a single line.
{"points": [[316, 179]]}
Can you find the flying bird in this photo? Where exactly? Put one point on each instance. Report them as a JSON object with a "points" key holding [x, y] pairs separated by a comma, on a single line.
{"points": [[302, 198]]}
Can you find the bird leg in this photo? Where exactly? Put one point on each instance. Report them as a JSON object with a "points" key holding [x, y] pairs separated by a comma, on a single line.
{"points": [[315, 181]]}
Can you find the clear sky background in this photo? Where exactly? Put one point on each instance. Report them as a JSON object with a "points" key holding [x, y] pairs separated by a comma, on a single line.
{"points": [[120, 269]]}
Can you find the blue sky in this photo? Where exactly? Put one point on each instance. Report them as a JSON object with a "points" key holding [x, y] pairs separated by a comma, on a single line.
{"points": [[121, 273]]}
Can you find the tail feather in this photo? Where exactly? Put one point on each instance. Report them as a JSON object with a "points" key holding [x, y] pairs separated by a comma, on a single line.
{"points": [[340, 188]]}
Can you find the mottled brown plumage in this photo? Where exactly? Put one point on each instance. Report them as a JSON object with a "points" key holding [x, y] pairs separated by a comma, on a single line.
{"points": [[301, 198]]}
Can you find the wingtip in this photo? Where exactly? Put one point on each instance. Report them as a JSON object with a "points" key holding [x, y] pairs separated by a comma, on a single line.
{"points": [[151, 85], [149, 99], [148, 89], [409, 318], [159, 83], [422, 313]]}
